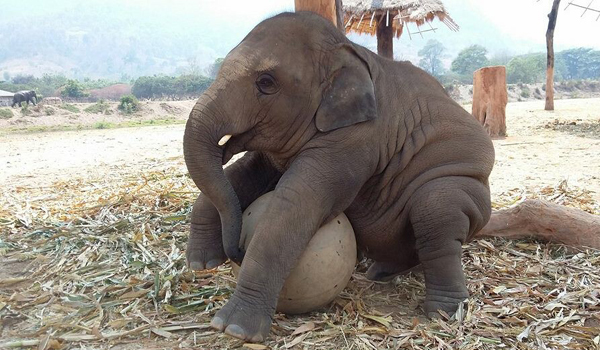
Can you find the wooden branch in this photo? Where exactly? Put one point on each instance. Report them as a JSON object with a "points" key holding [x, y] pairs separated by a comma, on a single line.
{"points": [[550, 56], [545, 221]]}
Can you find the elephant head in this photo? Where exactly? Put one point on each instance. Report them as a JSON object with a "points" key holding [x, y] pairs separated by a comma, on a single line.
{"points": [[279, 88]]}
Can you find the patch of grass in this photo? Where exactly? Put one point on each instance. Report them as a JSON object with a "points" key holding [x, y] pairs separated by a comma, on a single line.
{"points": [[49, 111], [98, 125], [100, 107], [102, 125], [6, 113], [69, 107]]}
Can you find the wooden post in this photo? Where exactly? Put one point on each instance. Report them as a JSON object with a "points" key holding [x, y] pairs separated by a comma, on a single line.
{"points": [[385, 37], [326, 8], [550, 56], [490, 98], [340, 15]]}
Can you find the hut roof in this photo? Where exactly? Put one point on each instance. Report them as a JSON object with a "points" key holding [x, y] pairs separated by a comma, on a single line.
{"points": [[362, 16], [6, 94]]}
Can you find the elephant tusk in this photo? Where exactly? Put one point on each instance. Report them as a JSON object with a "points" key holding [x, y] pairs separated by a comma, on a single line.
{"points": [[224, 140]]}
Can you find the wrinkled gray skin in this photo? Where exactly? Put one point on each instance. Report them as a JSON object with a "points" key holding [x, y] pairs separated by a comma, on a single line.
{"points": [[24, 96], [331, 127]]}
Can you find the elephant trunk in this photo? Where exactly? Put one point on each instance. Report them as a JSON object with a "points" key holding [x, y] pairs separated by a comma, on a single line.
{"points": [[204, 159]]}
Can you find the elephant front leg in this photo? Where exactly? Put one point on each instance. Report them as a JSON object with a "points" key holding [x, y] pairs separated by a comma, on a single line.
{"points": [[251, 176], [307, 195]]}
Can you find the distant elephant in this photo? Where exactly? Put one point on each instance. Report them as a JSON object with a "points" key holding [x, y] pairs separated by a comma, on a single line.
{"points": [[331, 127], [24, 96]]}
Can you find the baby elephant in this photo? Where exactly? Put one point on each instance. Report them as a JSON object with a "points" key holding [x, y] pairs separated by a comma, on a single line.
{"points": [[331, 127]]}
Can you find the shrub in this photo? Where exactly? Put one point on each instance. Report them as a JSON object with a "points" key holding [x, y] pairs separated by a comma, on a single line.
{"points": [[25, 110], [129, 104], [73, 89], [6, 113], [69, 107], [100, 107], [102, 125], [49, 111]]}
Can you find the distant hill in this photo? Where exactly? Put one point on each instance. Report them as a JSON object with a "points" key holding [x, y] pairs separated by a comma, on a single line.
{"points": [[123, 40]]}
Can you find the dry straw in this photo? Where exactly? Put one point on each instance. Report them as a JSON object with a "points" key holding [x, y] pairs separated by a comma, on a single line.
{"points": [[99, 262]]}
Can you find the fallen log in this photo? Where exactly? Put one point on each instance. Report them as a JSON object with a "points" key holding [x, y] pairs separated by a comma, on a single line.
{"points": [[545, 221]]}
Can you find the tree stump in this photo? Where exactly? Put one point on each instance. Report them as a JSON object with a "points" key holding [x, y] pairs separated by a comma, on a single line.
{"points": [[490, 98], [547, 222]]}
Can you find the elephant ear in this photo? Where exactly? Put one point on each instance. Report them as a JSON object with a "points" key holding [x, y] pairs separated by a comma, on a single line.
{"points": [[349, 97]]}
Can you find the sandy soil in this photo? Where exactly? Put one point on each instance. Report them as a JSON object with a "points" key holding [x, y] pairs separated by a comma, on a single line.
{"points": [[57, 116], [542, 149]]}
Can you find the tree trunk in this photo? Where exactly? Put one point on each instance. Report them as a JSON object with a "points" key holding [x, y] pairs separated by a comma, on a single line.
{"points": [[490, 98], [325, 8], [545, 221], [385, 38], [550, 56]]}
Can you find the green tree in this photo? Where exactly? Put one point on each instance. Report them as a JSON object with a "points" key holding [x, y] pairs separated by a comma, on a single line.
{"points": [[431, 55], [23, 79], [73, 89], [526, 69], [580, 63], [470, 59], [161, 85], [500, 59]]}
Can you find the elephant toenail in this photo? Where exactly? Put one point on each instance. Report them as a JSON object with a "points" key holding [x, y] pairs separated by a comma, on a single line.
{"points": [[235, 331], [217, 323], [196, 265], [257, 338], [213, 263]]}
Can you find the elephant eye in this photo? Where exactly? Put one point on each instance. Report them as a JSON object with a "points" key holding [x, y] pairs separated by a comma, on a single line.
{"points": [[267, 84]]}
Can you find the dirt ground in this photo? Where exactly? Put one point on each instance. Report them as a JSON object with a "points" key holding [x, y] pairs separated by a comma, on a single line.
{"points": [[83, 115], [542, 149], [93, 227]]}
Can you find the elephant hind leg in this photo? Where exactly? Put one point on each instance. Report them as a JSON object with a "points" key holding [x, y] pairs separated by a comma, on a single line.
{"points": [[386, 271], [445, 213], [407, 260]]}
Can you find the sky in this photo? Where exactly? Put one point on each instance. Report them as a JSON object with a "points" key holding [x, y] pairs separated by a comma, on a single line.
{"points": [[504, 27], [518, 24]]}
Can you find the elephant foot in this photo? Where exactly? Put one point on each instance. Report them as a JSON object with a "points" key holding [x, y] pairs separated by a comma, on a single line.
{"points": [[204, 250], [386, 271], [445, 301], [241, 320]]}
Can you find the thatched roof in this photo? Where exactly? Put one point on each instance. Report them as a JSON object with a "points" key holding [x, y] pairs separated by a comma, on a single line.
{"points": [[362, 16]]}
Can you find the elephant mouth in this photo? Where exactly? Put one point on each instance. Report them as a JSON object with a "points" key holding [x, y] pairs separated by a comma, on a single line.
{"points": [[236, 144]]}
